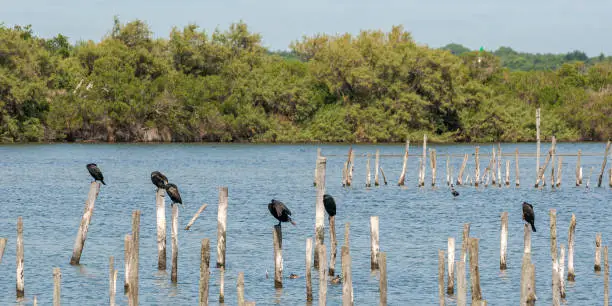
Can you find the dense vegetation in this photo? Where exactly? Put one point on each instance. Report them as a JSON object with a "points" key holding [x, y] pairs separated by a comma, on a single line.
{"points": [[224, 86]]}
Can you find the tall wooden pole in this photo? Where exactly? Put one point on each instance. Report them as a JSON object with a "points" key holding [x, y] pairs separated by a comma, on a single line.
{"points": [[319, 208], [160, 205], [222, 226], [81, 236]]}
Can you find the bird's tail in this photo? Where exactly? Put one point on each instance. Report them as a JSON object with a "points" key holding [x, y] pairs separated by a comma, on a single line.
{"points": [[103, 183], [533, 227], [293, 222]]}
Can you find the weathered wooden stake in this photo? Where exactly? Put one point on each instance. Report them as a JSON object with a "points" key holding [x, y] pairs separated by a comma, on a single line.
{"points": [[578, 170], [474, 270], [421, 163], [606, 278], [368, 175], [551, 153], [499, 156], [374, 242], [432, 158], [277, 236], [463, 164], [402, 179], [221, 226], [376, 167], [553, 234], [333, 246], [516, 167], [204, 271], [559, 167], [344, 175], [465, 242], [527, 239], [134, 277], [195, 216], [562, 271], [20, 288], [552, 170], [112, 281], [79, 242], [424, 159], [240, 289], [603, 164], [597, 252], [127, 242], [556, 293], [537, 144], [571, 276], [347, 230], [503, 248], [315, 172], [322, 275], [350, 169], [35, 301], [448, 175], [610, 178], [382, 172], [382, 264], [450, 286], [160, 205], [309, 269], [477, 161], [347, 281], [320, 209], [461, 284], [441, 277], [508, 172], [2, 246], [57, 283], [528, 294], [175, 250], [492, 166]]}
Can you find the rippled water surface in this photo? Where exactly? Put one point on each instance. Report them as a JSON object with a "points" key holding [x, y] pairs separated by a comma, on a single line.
{"points": [[48, 184]]}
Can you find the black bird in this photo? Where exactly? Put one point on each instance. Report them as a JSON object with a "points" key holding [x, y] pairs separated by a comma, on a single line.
{"points": [[280, 212], [174, 194], [159, 179], [454, 192], [330, 205], [95, 172], [528, 215]]}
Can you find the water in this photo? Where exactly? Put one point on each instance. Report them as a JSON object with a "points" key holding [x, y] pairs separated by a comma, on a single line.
{"points": [[48, 184]]}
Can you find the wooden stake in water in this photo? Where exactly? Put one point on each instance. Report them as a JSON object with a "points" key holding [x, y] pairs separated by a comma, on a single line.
{"points": [[548, 158], [463, 164], [570, 250], [528, 296], [448, 175], [222, 226], [175, 250], [603, 164], [424, 159], [368, 175], [160, 205], [376, 167], [465, 242], [277, 236], [516, 167], [347, 282], [450, 286], [477, 174], [503, 247], [578, 170], [79, 242], [309, 270], [20, 288], [333, 246], [461, 284], [319, 208], [508, 172], [240, 289], [112, 280], [553, 234], [527, 239], [204, 271], [402, 179], [597, 267], [382, 172], [195, 216], [222, 285], [351, 168], [499, 156], [537, 145], [559, 163], [606, 278], [492, 165], [552, 170], [127, 242], [562, 270], [57, 284], [134, 277], [2, 246], [374, 242], [474, 270], [441, 277], [315, 172], [432, 158], [382, 264], [322, 275]]}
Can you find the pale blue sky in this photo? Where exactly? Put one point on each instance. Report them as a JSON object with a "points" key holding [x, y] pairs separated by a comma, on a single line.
{"points": [[532, 26]]}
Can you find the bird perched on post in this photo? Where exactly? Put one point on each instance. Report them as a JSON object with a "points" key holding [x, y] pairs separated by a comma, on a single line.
{"points": [[528, 215], [330, 205], [95, 172], [280, 212], [173, 193], [159, 179], [454, 192]]}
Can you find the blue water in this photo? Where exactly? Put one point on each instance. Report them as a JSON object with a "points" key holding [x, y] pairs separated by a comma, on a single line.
{"points": [[47, 185]]}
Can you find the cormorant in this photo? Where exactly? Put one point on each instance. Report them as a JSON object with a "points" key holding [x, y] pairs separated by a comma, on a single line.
{"points": [[95, 172], [280, 212], [330, 205], [454, 192], [528, 215], [159, 179], [174, 194]]}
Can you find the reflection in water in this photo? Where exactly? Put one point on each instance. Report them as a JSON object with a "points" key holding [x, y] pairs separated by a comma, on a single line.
{"points": [[277, 296]]}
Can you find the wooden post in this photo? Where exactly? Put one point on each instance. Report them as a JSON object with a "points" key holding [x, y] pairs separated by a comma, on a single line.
{"points": [[553, 234], [528, 296], [556, 293], [597, 252], [402, 179], [376, 167], [20, 288], [432, 158], [127, 242], [382, 264], [322, 275], [134, 278], [374, 242], [2, 246], [382, 172], [474, 270], [477, 174], [347, 282], [240, 289], [319, 208], [603, 164], [424, 159], [492, 165], [610, 178], [463, 164], [57, 281], [347, 230], [309, 269], [508, 172], [221, 226], [421, 163], [562, 271], [160, 205], [552, 170], [516, 167], [175, 250], [35, 301], [277, 236], [537, 145], [465, 242], [578, 170], [527, 239], [606, 278], [315, 172], [450, 286], [499, 156], [580, 175], [350, 170], [503, 248], [79, 242], [112, 281], [570, 250], [195, 216], [344, 175], [204, 271], [333, 246], [222, 285], [441, 277], [368, 175], [559, 167], [448, 175], [461, 284], [548, 158]]}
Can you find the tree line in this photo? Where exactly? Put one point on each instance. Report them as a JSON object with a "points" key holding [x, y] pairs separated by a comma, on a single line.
{"points": [[225, 86]]}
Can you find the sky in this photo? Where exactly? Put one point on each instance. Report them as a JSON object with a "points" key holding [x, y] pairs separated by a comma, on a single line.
{"points": [[538, 26]]}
